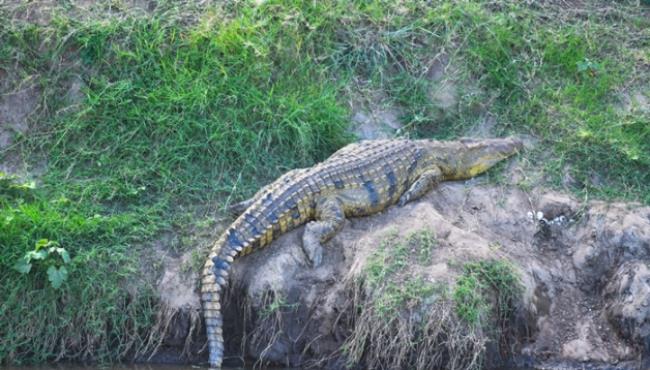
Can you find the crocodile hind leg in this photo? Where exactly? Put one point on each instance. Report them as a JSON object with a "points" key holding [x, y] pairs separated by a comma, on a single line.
{"points": [[421, 186], [239, 208], [330, 218]]}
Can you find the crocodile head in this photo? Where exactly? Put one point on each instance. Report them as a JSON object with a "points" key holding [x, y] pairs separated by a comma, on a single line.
{"points": [[466, 158]]}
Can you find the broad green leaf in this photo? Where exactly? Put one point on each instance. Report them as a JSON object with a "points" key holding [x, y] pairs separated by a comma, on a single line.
{"points": [[57, 276], [65, 255], [62, 252], [23, 266], [42, 243], [36, 255]]}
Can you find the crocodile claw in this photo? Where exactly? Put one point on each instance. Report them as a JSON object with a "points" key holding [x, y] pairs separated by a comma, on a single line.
{"points": [[313, 249]]}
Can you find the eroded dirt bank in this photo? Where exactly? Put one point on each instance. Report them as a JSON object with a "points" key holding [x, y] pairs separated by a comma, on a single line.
{"points": [[583, 270]]}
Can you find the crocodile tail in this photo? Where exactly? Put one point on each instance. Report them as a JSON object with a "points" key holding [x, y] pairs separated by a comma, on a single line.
{"points": [[211, 288], [213, 321], [213, 282]]}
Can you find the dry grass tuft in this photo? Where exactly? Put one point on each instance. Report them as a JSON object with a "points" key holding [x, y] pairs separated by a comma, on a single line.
{"points": [[429, 336]]}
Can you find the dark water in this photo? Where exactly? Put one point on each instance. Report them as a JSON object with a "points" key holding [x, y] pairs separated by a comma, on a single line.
{"points": [[125, 367], [145, 367], [129, 367]]}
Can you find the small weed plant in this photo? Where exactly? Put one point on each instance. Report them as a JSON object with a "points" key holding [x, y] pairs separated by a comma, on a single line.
{"points": [[48, 256]]}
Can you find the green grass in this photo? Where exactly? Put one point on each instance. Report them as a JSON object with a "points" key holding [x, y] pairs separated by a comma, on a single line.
{"points": [[487, 290], [402, 315], [387, 273], [184, 109], [100, 310]]}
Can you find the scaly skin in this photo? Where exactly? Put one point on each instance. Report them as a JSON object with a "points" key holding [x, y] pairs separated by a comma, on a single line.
{"points": [[358, 180]]}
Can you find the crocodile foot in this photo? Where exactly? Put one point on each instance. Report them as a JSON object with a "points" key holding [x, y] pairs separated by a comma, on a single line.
{"points": [[311, 245]]}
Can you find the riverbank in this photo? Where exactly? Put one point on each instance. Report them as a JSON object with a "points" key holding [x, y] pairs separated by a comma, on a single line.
{"points": [[128, 127]]}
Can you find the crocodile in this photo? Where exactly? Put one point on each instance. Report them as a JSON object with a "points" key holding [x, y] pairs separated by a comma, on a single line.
{"points": [[358, 180]]}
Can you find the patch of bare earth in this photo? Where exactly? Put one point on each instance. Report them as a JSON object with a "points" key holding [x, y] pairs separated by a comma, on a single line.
{"points": [[178, 323], [374, 117], [41, 12], [444, 85], [17, 107]]}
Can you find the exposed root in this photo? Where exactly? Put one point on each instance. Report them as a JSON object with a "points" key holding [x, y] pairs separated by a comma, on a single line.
{"points": [[253, 325], [174, 327], [268, 328]]}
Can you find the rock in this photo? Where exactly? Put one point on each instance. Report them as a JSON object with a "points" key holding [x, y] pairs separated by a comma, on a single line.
{"points": [[627, 298], [612, 235], [15, 111], [554, 205]]}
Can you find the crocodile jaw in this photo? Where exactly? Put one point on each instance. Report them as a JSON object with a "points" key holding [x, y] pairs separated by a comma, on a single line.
{"points": [[473, 157]]}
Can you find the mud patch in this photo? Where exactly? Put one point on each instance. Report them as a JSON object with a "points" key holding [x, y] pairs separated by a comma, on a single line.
{"points": [[444, 91], [175, 287], [635, 102], [17, 108]]}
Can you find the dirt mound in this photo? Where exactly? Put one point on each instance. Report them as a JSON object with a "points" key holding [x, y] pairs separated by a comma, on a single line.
{"points": [[583, 272]]}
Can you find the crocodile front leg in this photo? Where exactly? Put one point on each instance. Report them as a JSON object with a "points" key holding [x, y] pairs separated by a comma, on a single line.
{"points": [[329, 220], [421, 186]]}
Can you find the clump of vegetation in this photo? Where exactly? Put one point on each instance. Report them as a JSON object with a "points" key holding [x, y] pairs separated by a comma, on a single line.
{"points": [[171, 114], [392, 258], [403, 320], [72, 290], [47, 253], [486, 291]]}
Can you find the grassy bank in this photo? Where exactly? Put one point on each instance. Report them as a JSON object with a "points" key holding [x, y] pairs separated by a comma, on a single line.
{"points": [[404, 318], [147, 120]]}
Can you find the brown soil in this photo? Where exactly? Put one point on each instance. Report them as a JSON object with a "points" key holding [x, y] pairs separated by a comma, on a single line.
{"points": [[373, 117], [584, 268], [16, 109]]}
